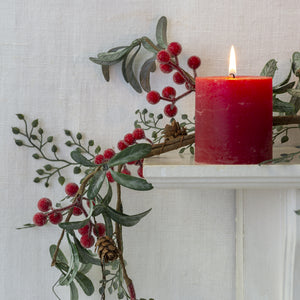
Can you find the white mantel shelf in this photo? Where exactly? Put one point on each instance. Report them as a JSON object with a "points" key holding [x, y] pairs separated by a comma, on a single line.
{"points": [[174, 170], [265, 204]]}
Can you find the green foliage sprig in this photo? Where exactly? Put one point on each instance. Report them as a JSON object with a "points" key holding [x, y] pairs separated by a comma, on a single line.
{"points": [[285, 87], [127, 55], [34, 137]]}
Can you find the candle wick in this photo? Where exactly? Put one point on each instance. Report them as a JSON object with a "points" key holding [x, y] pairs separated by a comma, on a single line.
{"points": [[233, 75]]}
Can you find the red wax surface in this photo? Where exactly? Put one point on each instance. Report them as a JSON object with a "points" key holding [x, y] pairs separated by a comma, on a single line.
{"points": [[233, 120]]}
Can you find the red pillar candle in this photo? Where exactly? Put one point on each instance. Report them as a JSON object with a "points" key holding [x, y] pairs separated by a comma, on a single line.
{"points": [[233, 120]]}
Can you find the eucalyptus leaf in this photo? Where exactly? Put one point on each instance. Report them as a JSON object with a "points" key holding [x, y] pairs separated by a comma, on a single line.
{"points": [[284, 81], [123, 219], [294, 92], [269, 68], [73, 291], [124, 63], [110, 58], [105, 68], [85, 268], [98, 210], [295, 100], [161, 32], [85, 256], [131, 182], [131, 153], [60, 256], [149, 45], [95, 184], [108, 225], [130, 73], [79, 158], [73, 225], [105, 72], [148, 66], [74, 265], [108, 196], [284, 88], [281, 106], [85, 283], [296, 63]]}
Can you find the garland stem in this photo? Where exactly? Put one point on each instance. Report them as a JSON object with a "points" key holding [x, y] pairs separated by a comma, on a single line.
{"points": [[118, 230]]}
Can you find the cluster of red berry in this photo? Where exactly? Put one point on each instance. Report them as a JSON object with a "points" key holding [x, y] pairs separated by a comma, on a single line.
{"points": [[87, 240], [168, 60], [105, 157], [55, 216], [128, 140]]}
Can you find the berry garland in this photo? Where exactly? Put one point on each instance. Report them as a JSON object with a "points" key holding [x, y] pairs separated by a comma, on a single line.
{"points": [[99, 170]]}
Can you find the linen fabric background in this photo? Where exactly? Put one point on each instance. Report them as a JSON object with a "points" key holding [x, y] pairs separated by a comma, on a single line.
{"points": [[185, 248]]}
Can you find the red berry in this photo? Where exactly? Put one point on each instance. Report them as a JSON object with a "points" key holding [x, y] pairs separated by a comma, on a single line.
{"points": [[109, 177], [140, 171], [87, 241], [194, 62], [44, 204], [166, 68], [188, 86], [122, 145], [169, 92], [177, 78], [126, 171], [99, 230], [71, 189], [170, 110], [109, 153], [39, 219], [84, 230], [129, 139], [132, 162], [174, 48], [99, 159], [163, 57], [138, 133], [153, 97], [77, 211], [55, 217]]}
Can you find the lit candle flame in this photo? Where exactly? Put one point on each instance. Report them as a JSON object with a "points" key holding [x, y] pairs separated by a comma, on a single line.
{"points": [[232, 62]]}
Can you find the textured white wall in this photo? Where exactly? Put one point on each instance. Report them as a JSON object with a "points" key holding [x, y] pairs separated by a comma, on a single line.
{"points": [[45, 73]]}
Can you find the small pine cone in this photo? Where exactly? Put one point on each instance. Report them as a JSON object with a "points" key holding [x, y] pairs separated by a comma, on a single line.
{"points": [[106, 249]]}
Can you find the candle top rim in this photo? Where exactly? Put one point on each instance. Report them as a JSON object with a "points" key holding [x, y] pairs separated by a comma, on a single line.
{"points": [[236, 78]]}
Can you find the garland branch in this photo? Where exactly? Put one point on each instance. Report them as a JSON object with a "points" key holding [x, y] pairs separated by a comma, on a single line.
{"points": [[286, 120]]}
